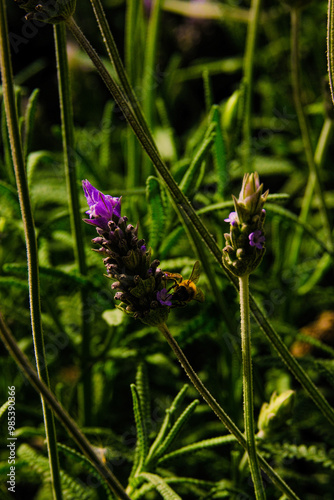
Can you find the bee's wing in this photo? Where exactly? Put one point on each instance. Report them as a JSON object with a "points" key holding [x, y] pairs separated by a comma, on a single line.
{"points": [[199, 296], [196, 272], [174, 277]]}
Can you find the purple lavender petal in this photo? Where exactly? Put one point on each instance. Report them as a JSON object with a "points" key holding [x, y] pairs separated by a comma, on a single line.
{"points": [[163, 297], [232, 218], [101, 206], [257, 239]]}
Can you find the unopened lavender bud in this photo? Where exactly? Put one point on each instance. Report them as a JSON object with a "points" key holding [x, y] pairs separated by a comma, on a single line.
{"points": [[244, 248], [129, 228], [118, 296]]}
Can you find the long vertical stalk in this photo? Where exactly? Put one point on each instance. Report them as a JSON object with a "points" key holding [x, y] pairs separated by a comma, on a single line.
{"points": [[67, 128], [253, 24], [247, 376], [330, 45], [218, 410], [31, 243]]}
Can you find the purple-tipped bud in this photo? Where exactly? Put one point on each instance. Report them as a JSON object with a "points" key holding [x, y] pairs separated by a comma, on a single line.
{"points": [[244, 245], [102, 207]]}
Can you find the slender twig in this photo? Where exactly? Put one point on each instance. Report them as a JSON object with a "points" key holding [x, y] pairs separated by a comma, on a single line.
{"points": [[248, 387], [218, 410], [330, 45], [253, 24], [117, 61], [69, 424], [31, 243], [307, 143], [67, 127], [186, 210]]}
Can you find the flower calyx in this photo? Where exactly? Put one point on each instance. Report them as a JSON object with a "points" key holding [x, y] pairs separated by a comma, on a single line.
{"points": [[48, 11], [244, 248]]}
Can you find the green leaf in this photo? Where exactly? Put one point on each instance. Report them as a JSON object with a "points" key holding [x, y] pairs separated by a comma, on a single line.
{"points": [[143, 389], [106, 134], [181, 421], [156, 211], [29, 121], [200, 445], [219, 153], [141, 446], [3, 408], [188, 181], [166, 424], [161, 486]]}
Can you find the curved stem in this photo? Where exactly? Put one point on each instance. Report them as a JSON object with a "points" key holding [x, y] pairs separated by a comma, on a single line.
{"points": [[67, 128], [186, 210], [330, 45], [31, 244], [248, 387], [218, 410], [253, 23], [72, 428], [306, 138]]}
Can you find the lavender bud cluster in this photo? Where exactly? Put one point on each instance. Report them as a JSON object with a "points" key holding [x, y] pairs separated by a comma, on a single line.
{"points": [[138, 281], [244, 248]]}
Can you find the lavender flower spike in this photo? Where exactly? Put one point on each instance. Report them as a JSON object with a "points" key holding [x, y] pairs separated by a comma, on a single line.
{"points": [[138, 281], [256, 239], [102, 207]]}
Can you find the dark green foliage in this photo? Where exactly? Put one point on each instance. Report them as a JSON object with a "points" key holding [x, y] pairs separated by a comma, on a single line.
{"points": [[187, 73]]}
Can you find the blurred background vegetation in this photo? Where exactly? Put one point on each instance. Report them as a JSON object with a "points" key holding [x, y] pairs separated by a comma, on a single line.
{"points": [[195, 79]]}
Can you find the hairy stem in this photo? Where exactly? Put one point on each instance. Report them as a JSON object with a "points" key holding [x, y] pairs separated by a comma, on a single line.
{"points": [[218, 410], [248, 387], [330, 45], [67, 128], [307, 143], [69, 424], [31, 243]]}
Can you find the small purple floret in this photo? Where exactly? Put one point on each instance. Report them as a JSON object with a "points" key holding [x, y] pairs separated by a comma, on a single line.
{"points": [[232, 219], [101, 206], [257, 239], [163, 297]]}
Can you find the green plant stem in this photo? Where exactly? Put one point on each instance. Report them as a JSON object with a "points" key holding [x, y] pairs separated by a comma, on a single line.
{"points": [[307, 143], [117, 61], [247, 378], [253, 24], [67, 127], [187, 212], [69, 424], [218, 410], [31, 243], [330, 45]]}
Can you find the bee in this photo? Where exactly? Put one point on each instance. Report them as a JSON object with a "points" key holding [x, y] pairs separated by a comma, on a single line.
{"points": [[185, 290]]}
